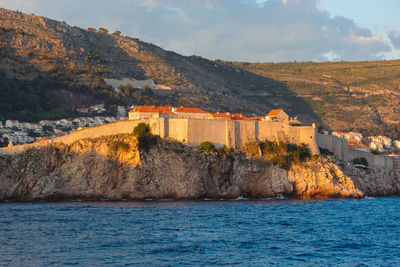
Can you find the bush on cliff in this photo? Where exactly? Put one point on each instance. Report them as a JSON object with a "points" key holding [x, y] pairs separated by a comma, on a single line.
{"points": [[207, 147], [278, 153], [145, 139]]}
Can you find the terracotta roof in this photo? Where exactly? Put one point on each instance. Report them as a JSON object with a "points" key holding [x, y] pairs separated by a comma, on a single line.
{"points": [[356, 144], [221, 115], [165, 110], [189, 110], [232, 116], [153, 109], [274, 112], [145, 109], [239, 117], [257, 118]]}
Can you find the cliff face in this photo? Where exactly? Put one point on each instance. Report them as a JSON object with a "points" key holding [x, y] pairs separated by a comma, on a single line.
{"points": [[114, 167]]}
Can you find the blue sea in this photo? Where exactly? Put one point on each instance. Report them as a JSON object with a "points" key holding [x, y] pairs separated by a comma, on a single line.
{"points": [[362, 232]]}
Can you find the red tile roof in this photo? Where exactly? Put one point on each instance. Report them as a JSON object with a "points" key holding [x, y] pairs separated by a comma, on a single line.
{"points": [[165, 110], [232, 116], [356, 144], [189, 110], [145, 109], [153, 109], [274, 112], [257, 118], [221, 115]]}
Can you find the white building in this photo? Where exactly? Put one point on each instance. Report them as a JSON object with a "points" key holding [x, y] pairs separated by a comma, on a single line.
{"points": [[13, 124]]}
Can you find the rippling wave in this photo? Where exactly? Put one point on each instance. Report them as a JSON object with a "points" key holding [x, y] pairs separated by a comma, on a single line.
{"points": [[257, 233]]}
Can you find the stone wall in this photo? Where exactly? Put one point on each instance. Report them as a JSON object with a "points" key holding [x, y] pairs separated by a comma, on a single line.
{"points": [[206, 130], [194, 131], [341, 151]]}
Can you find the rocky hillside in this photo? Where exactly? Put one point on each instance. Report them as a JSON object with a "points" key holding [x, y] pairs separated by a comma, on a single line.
{"points": [[48, 67], [115, 167], [82, 59], [345, 95]]}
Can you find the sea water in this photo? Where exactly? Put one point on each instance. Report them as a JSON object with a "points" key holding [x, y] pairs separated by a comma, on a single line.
{"points": [[362, 232]]}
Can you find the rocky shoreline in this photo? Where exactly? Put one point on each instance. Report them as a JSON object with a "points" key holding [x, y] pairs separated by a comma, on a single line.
{"points": [[115, 168]]}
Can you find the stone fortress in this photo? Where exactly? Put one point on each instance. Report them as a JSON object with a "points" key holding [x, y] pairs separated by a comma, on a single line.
{"points": [[193, 126]]}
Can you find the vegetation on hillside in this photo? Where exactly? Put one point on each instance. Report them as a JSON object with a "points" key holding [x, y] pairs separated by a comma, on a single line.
{"points": [[282, 154], [51, 69], [359, 96]]}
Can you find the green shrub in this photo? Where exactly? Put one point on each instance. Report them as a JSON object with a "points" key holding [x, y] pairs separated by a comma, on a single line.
{"points": [[142, 129], [252, 149], [283, 154], [207, 147], [145, 138], [120, 145]]}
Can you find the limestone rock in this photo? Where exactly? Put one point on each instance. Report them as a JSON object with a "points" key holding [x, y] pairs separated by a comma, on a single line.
{"points": [[114, 167]]}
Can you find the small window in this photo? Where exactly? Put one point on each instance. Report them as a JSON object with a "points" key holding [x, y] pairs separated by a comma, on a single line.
{"points": [[311, 137]]}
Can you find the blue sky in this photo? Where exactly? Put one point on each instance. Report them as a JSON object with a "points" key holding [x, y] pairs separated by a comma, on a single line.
{"points": [[242, 30]]}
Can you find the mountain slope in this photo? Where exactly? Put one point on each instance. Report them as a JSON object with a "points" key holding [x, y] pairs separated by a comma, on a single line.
{"points": [[82, 59], [49, 68]]}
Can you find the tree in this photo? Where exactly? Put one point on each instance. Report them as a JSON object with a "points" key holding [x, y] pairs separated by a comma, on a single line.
{"points": [[91, 30], [103, 30], [142, 130], [117, 33], [206, 147]]}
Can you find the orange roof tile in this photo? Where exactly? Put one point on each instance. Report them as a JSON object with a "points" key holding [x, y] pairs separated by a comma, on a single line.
{"points": [[256, 118], [145, 109], [232, 116], [221, 115], [356, 144], [165, 110], [274, 112], [189, 110]]}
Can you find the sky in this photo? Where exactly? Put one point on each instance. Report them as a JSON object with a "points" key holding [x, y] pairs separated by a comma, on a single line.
{"points": [[242, 30]]}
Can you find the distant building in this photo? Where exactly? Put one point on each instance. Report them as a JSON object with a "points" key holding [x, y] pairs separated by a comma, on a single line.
{"points": [[277, 115], [348, 136], [355, 144], [121, 111], [13, 124], [148, 112], [189, 113], [227, 116]]}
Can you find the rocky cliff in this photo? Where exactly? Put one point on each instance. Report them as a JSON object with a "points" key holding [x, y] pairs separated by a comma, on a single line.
{"points": [[114, 167]]}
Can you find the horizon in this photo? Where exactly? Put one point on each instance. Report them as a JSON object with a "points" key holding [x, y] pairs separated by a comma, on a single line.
{"points": [[317, 31]]}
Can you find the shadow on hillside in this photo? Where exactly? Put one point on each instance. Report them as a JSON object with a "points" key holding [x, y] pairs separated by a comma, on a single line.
{"points": [[257, 94]]}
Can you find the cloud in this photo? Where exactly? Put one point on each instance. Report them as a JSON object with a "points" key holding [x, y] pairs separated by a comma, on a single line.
{"points": [[244, 30], [394, 36]]}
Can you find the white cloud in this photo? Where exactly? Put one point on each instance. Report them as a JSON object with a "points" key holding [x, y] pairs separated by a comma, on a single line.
{"points": [[246, 30], [394, 36]]}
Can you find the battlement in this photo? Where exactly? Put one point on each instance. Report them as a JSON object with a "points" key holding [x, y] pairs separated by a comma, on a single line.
{"points": [[231, 133]]}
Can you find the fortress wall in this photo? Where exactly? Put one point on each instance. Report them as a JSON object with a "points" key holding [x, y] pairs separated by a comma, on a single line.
{"points": [[245, 132], [206, 130], [374, 161], [306, 135], [230, 138], [120, 127], [157, 126], [270, 130], [339, 147], [178, 129]]}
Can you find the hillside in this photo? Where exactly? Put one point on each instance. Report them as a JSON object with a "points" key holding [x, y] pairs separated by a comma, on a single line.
{"points": [[345, 95], [82, 59], [48, 69]]}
